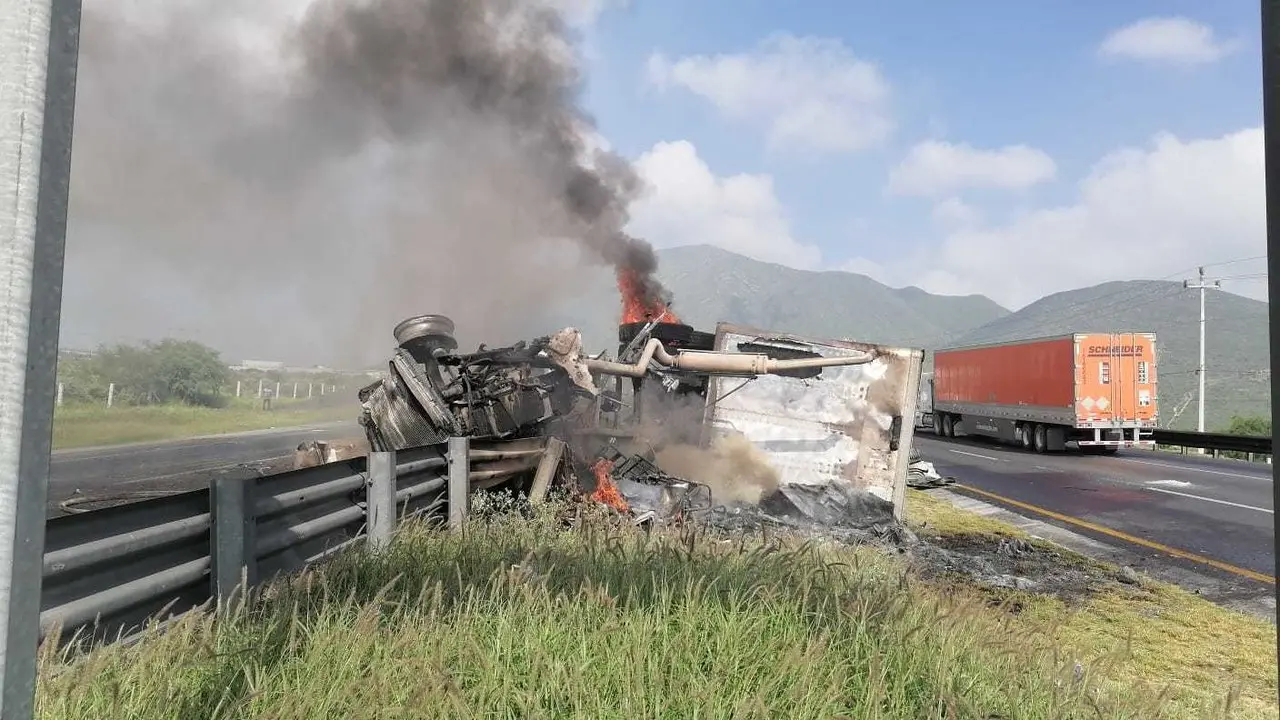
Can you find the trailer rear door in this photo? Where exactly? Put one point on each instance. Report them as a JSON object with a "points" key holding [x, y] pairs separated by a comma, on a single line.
{"points": [[1116, 379]]}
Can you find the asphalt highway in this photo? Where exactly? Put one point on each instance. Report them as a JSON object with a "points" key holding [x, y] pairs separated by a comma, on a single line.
{"points": [[138, 469], [1213, 516]]}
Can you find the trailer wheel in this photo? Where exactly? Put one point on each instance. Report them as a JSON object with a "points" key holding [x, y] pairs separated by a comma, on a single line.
{"points": [[1024, 436], [1041, 439], [948, 426], [937, 425]]}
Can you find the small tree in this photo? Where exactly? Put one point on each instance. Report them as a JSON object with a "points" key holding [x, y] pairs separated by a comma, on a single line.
{"points": [[188, 372], [180, 371], [1255, 425]]}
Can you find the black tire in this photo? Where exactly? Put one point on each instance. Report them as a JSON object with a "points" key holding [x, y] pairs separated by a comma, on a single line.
{"points": [[937, 425], [1025, 437], [948, 426], [677, 334], [1041, 439]]}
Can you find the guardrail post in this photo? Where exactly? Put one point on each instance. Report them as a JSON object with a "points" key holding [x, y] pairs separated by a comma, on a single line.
{"points": [[546, 469], [380, 499], [459, 481], [233, 540]]}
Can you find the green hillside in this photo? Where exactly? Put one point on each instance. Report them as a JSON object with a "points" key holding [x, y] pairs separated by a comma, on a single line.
{"points": [[710, 285], [1237, 347]]}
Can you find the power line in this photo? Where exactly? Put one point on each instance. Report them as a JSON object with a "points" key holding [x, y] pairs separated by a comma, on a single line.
{"points": [[1138, 297], [1234, 262], [1251, 276], [1130, 303]]}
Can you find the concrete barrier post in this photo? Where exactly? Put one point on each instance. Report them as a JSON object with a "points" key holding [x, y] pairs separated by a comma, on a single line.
{"points": [[380, 499], [232, 538], [459, 481]]}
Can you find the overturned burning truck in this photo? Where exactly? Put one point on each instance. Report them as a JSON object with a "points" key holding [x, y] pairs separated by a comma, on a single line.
{"points": [[827, 415]]}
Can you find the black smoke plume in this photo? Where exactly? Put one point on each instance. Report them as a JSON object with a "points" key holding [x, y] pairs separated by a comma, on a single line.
{"points": [[296, 184]]}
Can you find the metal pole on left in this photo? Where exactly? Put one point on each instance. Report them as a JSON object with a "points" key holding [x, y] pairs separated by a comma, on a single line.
{"points": [[39, 49]]}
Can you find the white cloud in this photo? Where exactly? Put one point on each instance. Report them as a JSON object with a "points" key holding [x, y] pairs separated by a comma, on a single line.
{"points": [[1175, 40], [954, 214], [934, 168], [805, 92], [686, 203], [1140, 213]]}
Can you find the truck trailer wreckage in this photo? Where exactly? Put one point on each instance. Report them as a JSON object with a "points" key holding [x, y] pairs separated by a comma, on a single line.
{"points": [[826, 415]]}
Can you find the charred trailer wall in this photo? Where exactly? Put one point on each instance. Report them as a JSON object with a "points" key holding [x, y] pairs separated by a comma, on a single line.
{"points": [[848, 430]]}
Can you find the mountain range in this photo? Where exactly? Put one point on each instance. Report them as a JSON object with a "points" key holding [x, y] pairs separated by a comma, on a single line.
{"points": [[710, 284]]}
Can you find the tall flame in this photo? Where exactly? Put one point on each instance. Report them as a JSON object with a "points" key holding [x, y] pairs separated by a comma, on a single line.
{"points": [[606, 492], [637, 306]]}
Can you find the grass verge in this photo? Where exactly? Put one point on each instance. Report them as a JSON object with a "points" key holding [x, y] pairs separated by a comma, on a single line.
{"points": [[519, 618], [1157, 637], [81, 426]]}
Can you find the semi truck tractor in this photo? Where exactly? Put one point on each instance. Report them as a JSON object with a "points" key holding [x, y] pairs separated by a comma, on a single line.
{"points": [[1096, 390]]}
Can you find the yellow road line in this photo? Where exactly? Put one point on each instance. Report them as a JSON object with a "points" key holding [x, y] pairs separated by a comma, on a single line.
{"points": [[1175, 552]]}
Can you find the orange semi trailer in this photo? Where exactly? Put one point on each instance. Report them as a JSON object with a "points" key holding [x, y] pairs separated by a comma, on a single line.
{"points": [[1097, 390]]}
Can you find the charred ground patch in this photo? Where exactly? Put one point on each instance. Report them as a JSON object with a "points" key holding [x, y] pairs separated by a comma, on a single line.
{"points": [[998, 564]]}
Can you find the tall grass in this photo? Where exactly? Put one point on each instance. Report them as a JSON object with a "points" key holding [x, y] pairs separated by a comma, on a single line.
{"points": [[520, 619]]}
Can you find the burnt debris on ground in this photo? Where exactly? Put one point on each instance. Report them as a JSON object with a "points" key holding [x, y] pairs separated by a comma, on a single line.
{"points": [[988, 561]]}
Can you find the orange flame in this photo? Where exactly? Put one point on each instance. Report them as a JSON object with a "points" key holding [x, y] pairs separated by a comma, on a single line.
{"points": [[606, 492], [635, 306]]}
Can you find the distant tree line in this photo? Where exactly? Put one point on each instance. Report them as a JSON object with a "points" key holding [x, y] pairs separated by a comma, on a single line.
{"points": [[153, 373]]}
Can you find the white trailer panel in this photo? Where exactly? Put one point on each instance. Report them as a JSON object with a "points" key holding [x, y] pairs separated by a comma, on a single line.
{"points": [[850, 426]]}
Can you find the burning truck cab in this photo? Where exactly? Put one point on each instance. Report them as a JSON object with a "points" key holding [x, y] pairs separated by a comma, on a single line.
{"points": [[827, 415]]}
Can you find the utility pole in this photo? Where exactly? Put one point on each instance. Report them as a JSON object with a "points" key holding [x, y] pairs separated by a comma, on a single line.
{"points": [[1202, 285], [38, 55]]}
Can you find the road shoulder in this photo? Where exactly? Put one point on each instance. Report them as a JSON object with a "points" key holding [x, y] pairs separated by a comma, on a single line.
{"points": [[1243, 596]]}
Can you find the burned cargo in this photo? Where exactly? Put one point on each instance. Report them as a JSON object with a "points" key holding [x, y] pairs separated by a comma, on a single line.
{"points": [[828, 415]]}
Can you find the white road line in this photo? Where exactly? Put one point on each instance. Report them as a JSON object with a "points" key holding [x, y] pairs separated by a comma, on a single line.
{"points": [[1212, 500], [1196, 469], [984, 457], [1170, 483]]}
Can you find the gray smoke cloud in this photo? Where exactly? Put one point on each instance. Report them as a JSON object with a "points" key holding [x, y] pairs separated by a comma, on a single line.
{"points": [[291, 181]]}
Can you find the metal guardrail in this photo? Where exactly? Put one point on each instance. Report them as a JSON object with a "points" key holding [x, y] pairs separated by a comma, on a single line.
{"points": [[108, 572], [1221, 442], [1214, 441]]}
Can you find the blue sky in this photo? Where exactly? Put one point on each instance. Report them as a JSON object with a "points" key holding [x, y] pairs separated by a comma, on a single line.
{"points": [[983, 75], [1013, 149]]}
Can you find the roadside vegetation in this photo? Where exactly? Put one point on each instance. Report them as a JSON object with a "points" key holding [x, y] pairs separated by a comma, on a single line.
{"points": [[88, 426], [1152, 636], [175, 389], [523, 617]]}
